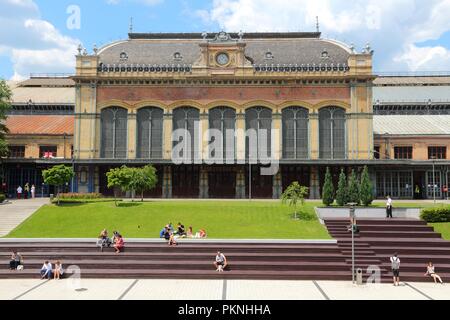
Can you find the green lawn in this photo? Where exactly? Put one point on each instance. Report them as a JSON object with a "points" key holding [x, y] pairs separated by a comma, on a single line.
{"points": [[221, 220], [443, 228]]}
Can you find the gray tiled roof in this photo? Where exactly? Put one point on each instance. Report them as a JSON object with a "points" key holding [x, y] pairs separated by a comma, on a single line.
{"points": [[412, 125], [298, 50]]}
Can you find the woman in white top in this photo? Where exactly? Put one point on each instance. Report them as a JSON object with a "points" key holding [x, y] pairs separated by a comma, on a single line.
{"points": [[33, 191], [59, 271], [432, 273]]}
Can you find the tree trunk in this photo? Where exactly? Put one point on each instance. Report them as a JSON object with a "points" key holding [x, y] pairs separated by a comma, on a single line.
{"points": [[142, 196]]}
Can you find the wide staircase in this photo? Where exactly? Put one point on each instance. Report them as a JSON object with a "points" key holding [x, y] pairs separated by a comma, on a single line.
{"points": [[415, 242], [193, 260]]}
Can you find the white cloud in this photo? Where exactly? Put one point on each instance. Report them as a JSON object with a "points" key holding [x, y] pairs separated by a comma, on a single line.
{"points": [[395, 28], [144, 2], [33, 45], [425, 58]]}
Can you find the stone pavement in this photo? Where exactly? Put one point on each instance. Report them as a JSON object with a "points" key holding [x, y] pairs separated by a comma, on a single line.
{"points": [[129, 289], [14, 212]]}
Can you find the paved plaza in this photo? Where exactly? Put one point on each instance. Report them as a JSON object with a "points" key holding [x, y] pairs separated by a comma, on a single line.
{"points": [[130, 289]]}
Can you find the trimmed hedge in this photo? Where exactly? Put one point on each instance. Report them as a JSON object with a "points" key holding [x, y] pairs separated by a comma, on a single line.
{"points": [[433, 215], [2, 198], [80, 196]]}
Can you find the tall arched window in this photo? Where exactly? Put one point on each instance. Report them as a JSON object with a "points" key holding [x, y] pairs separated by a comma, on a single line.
{"points": [[259, 119], [224, 119], [332, 133], [114, 125], [187, 118], [295, 133], [150, 133]]}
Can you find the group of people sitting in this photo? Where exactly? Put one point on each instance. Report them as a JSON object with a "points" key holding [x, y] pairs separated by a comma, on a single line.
{"points": [[16, 261], [49, 272], [117, 241], [171, 234]]}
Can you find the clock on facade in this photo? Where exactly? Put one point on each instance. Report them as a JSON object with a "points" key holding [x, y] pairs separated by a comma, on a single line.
{"points": [[222, 59]]}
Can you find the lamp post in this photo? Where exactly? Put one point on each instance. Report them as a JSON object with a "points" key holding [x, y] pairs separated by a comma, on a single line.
{"points": [[352, 218], [434, 180]]}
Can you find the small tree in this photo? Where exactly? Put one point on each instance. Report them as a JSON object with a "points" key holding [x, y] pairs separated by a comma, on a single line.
{"points": [[341, 193], [366, 188], [353, 189], [143, 179], [119, 179], [294, 194], [328, 189], [58, 176]]}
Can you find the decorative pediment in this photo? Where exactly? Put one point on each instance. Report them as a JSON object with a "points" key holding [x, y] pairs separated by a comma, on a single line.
{"points": [[223, 37]]}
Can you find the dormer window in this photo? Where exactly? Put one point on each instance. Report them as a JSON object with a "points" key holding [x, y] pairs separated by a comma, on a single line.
{"points": [[325, 54], [177, 56], [268, 55], [123, 56]]}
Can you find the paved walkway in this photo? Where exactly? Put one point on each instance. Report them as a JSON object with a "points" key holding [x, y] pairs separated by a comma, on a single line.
{"points": [[130, 289], [13, 213]]}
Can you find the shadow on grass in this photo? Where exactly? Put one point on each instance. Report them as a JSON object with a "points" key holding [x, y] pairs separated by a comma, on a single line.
{"points": [[129, 204]]}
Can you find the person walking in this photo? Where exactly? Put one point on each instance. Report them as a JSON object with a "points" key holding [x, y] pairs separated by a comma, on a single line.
{"points": [[33, 191], [19, 192], [395, 264], [389, 208]]}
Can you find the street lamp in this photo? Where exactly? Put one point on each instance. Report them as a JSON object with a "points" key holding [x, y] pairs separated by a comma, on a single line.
{"points": [[434, 180], [353, 224]]}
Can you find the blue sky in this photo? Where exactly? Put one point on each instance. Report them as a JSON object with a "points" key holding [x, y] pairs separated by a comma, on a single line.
{"points": [[407, 35]]}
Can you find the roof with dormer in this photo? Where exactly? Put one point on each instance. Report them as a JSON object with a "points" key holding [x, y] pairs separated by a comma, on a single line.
{"points": [[288, 48]]}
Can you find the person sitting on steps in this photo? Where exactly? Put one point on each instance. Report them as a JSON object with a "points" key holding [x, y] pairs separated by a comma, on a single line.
{"points": [[221, 262], [431, 272], [16, 261], [119, 245]]}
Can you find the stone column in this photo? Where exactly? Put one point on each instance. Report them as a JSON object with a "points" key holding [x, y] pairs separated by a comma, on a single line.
{"points": [[167, 140], [240, 184], [277, 136], [204, 186], [277, 185], [167, 183], [240, 139], [314, 136], [203, 143], [314, 188], [132, 135]]}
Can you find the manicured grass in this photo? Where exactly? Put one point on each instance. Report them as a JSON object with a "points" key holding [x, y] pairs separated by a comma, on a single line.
{"points": [[221, 220], [442, 228]]}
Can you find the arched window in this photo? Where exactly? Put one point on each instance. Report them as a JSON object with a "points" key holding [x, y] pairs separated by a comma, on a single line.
{"points": [[187, 118], [295, 133], [114, 124], [332, 133], [224, 119], [259, 121], [150, 133]]}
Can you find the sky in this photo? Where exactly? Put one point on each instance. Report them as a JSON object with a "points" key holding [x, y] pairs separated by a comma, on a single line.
{"points": [[42, 36]]}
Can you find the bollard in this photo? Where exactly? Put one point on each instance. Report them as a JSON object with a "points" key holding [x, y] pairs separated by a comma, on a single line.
{"points": [[359, 277]]}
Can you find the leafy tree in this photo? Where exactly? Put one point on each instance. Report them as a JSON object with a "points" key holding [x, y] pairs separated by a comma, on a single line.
{"points": [[293, 195], [5, 106], [58, 176], [353, 189], [328, 189], [341, 193], [366, 188], [119, 180], [143, 179]]}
